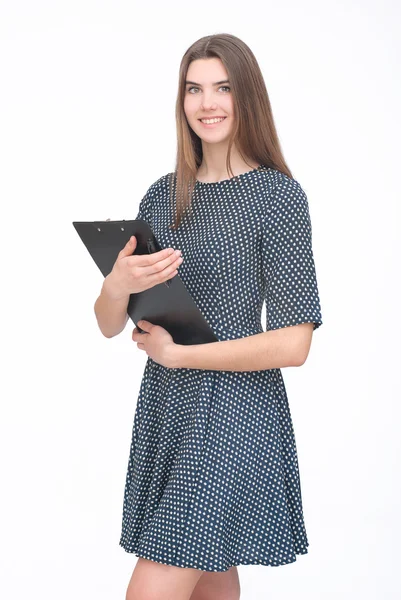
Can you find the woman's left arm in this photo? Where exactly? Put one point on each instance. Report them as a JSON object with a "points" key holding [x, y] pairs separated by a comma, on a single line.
{"points": [[275, 349]]}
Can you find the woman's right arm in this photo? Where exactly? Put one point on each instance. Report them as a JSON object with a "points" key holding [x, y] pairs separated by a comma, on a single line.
{"points": [[111, 313], [130, 275]]}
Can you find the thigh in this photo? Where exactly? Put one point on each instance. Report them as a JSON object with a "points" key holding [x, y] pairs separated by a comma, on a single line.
{"points": [[154, 581], [223, 585]]}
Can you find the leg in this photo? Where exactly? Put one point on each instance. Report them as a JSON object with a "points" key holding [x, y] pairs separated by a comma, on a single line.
{"points": [[221, 586], [154, 581]]}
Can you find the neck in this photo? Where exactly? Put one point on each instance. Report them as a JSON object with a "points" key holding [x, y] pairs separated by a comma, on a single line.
{"points": [[213, 166]]}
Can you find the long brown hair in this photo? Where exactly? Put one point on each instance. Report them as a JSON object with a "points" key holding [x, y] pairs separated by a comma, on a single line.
{"points": [[254, 132]]}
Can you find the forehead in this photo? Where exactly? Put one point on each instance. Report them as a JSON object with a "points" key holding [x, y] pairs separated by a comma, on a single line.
{"points": [[206, 70]]}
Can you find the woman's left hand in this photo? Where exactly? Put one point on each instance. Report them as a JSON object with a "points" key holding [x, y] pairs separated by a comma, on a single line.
{"points": [[157, 343]]}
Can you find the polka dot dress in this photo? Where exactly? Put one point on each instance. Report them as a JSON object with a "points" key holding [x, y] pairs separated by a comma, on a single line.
{"points": [[213, 477]]}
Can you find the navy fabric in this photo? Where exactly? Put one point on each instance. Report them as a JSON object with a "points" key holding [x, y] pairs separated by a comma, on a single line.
{"points": [[213, 478]]}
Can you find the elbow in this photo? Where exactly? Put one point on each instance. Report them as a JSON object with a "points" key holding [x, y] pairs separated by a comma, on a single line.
{"points": [[299, 358], [302, 345], [299, 355], [107, 335]]}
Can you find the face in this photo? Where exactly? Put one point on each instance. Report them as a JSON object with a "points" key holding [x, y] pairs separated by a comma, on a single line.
{"points": [[208, 94]]}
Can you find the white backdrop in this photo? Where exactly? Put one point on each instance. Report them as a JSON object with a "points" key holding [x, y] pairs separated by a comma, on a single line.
{"points": [[87, 101]]}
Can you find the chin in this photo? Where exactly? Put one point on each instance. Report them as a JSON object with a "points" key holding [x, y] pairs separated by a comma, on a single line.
{"points": [[214, 139], [210, 136]]}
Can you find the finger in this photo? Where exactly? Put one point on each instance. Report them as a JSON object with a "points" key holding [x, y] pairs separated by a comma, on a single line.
{"points": [[163, 267], [128, 248], [164, 257]]}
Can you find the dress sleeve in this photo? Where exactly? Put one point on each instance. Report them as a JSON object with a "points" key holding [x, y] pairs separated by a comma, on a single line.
{"points": [[145, 209], [288, 264]]}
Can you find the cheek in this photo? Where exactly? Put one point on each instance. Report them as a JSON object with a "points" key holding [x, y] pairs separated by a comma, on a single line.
{"points": [[229, 105], [189, 106]]}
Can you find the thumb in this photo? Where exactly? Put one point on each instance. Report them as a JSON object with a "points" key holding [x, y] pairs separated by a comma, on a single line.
{"points": [[128, 248]]}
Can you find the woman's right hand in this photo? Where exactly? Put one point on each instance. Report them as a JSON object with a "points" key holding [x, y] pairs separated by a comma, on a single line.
{"points": [[135, 273]]}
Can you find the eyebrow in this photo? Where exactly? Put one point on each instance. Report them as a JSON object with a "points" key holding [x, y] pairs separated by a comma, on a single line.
{"points": [[216, 83]]}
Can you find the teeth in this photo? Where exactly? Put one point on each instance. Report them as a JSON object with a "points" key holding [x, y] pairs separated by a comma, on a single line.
{"points": [[209, 121]]}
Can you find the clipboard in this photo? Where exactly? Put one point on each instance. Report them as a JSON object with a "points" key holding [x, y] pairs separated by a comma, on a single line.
{"points": [[168, 304]]}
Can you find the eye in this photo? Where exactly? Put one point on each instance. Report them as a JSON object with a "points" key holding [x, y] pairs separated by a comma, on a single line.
{"points": [[222, 87]]}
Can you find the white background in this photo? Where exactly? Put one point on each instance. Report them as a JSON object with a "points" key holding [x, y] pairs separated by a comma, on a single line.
{"points": [[87, 125]]}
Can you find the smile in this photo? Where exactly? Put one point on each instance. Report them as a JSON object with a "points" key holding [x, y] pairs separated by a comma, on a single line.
{"points": [[214, 121]]}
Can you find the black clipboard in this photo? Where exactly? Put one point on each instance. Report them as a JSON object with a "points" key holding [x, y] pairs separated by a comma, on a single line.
{"points": [[167, 304]]}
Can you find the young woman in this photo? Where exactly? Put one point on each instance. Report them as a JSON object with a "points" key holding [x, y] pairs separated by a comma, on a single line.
{"points": [[213, 479]]}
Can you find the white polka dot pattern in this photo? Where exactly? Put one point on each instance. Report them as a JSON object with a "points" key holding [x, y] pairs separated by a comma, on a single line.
{"points": [[213, 478], [289, 268]]}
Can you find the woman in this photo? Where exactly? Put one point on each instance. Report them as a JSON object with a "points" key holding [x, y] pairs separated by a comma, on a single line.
{"points": [[212, 479]]}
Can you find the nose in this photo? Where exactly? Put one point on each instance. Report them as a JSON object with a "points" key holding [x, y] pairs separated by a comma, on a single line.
{"points": [[208, 101]]}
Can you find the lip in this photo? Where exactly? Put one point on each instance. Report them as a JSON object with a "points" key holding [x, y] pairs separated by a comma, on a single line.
{"points": [[212, 125]]}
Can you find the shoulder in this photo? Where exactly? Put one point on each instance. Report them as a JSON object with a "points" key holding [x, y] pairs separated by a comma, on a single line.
{"points": [[160, 185], [286, 204], [155, 193], [283, 193]]}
